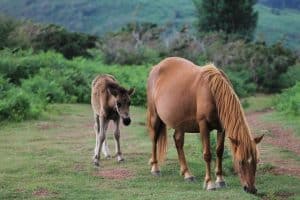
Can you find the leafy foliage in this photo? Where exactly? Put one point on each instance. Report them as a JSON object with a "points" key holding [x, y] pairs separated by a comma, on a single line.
{"points": [[69, 44], [289, 100], [232, 17]]}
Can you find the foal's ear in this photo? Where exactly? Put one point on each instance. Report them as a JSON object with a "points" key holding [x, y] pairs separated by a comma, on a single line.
{"points": [[131, 91], [234, 142], [258, 139], [113, 89]]}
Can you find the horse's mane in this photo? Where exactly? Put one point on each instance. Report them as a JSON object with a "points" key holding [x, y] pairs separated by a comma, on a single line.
{"points": [[229, 108]]}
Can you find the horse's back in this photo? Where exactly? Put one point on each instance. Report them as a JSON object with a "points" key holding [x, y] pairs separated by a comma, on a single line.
{"points": [[173, 88], [99, 94]]}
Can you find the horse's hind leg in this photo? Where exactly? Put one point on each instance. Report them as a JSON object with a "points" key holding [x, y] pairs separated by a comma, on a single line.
{"points": [[117, 141], [155, 126], [220, 183], [205, 137], [179, 142]]}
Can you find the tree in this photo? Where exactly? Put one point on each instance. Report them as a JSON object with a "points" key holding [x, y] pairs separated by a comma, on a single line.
{"points": [[231, 17]]}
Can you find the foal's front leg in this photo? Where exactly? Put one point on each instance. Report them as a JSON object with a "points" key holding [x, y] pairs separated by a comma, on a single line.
{"points": [[117, 141], [100, 137], [205, 137], [105, 149]]}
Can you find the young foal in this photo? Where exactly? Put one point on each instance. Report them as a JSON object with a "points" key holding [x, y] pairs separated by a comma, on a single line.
{"points": [[109, 101], [195, 99]]}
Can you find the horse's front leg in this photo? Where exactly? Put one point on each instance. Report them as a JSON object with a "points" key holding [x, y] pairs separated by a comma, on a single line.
{"points": [[205, 138], [220, 183], [100, 137], [117, 141], [179, 143]]}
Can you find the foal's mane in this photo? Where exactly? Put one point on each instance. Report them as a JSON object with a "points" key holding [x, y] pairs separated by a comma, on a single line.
{"points": [[229, 108]]}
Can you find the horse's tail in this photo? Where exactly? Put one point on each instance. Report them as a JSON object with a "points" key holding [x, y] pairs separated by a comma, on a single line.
{"points": [[162, 143], [158, 134]]}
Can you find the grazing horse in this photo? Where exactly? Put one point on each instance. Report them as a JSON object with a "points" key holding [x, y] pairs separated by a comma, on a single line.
{"points": [[196, 99], [110, 101]]}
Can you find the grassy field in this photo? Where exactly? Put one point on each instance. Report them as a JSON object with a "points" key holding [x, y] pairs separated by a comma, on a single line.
{"points": [[51, 159]]}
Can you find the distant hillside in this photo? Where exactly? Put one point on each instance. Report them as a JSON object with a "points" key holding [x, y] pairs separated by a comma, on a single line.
{"points": [[99, 17]]}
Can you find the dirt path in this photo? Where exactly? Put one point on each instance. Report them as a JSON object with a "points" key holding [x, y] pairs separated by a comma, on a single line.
{"points": [[276, 137]]}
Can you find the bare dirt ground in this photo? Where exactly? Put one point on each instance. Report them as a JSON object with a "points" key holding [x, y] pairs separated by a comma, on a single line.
{"points": [[279, 137], [120, 173]]}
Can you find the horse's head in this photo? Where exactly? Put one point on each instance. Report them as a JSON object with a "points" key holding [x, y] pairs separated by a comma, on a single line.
{"points": [[122, 101], [246, 157]]}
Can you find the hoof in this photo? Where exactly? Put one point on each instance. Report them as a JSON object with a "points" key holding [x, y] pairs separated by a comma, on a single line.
{"points": [[156, 173], [209, 186], [96, 164], [120, 159], [108, 157], [190, 179], [220, 184]]}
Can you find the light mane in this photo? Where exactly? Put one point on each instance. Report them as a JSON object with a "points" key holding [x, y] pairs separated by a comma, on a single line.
{"points": [[230, 111]]}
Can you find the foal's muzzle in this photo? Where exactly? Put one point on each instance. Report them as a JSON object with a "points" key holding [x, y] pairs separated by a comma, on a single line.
{"points": [[250, 190], [126, 121]]}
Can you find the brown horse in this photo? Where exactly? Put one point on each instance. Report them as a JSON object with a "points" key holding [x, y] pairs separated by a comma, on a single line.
{"points": [[189, 98]]}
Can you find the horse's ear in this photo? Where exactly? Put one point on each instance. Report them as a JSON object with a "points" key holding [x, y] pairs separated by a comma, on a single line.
{"points": [[258, 139], [131, 91], [113, 89], [234, 142]]}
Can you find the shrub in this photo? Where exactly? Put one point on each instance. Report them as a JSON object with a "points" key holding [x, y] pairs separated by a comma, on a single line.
{"points": [[290, 78], [289, 100], [17, 105], [48, 90], [70, 44]]}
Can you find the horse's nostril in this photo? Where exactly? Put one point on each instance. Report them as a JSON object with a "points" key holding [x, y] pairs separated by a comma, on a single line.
{"points": [[126, 121], [245, 189]]}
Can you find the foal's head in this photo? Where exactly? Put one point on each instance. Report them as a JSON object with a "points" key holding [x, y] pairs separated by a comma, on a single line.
{"points": [[122, 101], [245, 160]]}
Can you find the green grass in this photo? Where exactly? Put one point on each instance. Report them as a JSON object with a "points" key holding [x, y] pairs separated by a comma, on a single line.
{"points": [[54, 155], [258, 102]]}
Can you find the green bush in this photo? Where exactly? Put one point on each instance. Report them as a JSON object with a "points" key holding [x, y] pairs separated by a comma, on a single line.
{"points": [[48, 90], [17, 105], [289, 100], [70, 44], [241, 82], [290, 78]]}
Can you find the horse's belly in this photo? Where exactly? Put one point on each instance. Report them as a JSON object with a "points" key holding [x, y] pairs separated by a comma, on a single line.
{"points": [[188, 126]]}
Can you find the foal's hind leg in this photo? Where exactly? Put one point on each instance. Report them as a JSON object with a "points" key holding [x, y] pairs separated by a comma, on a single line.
{"points": [[220, 183], [205, 137], [117, 141], [179, 142]]}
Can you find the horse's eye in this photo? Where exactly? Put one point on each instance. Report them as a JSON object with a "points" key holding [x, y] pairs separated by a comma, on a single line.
{"points": [[241, 162], [118, 104]]}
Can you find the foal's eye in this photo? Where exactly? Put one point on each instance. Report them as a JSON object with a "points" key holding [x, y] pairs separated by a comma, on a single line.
{"points": [[118, 104]]}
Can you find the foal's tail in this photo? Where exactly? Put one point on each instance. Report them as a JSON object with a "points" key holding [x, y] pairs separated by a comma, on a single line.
{"points": [[158, 134]]}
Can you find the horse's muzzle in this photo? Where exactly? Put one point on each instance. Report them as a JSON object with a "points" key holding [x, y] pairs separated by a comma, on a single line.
{"points": [[250, 190], [126, 121]]}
